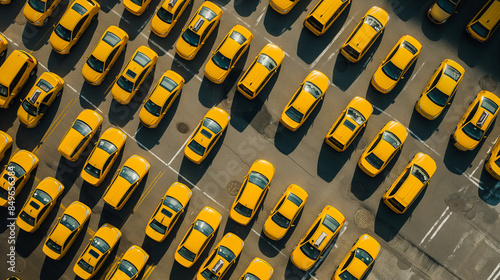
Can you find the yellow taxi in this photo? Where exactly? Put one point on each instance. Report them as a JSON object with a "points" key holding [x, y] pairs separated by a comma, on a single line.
{"points": [[228, 53], [318, 238], [97, 251], [304, 100], [47, 88], [130, 265], [198, 29], [4, 44], [442, 10], [166, 16], [5, 143], [136, 7], [440, 89], [66, 230], [476, 121], [6, 2], [15, 175], [72, 24], [104, 55], [365, 34], [199, 234], [484, 24], [206, 134], [394, 66], [103, 156], [260, 71], [126, 181], [258, 269], [79, 135], [14, 73], [134, 74], [39, 204], [283, 6], [38, 12], [169, 210], [349, 124], [492, 163], [384, 146], [359, 259], [322, 16], [410, 183], [285, 212], [252, 192], [222, 257], [161, 99]]}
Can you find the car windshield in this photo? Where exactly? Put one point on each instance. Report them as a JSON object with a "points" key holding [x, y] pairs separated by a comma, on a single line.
{"points": [[280, 220], [294, 114], [29, 108], [473, 131], [355, 115], [188, 255], [69, 222], [330, 223], [85, 266], [42, 196], [24, 216], [452, 72], [37, 5], [168, 84], [129, 174], [258, 179], [222, 61], [364, 256], [107, 146], [310, 251], [18, 170], [63, 32], [374, 160], [446, 5], [347, 276], [438, 97], [207, 274], [128, 268], [373, 22], [480, 29], [95, 64], [191, 37], [312, 89], [83, 128], [207, 13], [420, 173], [125, 84], [172, 203], [165, 15], [351, 51], [267, 62], [489, 105], [227, 254], [151, 107], [212, 125], [243, 210], [53, 246], [203, 227], [100, 244], [392, 139], [392, 71], [90, 169], [196, 147]]}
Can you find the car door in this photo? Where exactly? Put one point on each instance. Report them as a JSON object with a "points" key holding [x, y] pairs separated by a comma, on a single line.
{"points": [[78, 30], [110, 60]]}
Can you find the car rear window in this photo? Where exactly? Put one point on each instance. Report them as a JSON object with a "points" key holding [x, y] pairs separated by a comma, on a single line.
{"points": [[295, 199], [168, 84], [373, 22], [489, 105], [141, 59], [409, 47], [238, 37], [330, 223], [79, 9], [452, 72], [207, 13], [111, 39]]}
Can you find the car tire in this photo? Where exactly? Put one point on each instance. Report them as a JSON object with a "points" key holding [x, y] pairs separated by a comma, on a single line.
{"points": [[33, 72], [11, 102], [38, 122], [46, 20], [94, 17], [59, 93], [2, 53], [71, 49]]}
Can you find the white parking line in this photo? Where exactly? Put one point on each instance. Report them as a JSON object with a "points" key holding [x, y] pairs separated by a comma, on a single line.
{"points": [[118, 14], [10, 40], [43, 66], [435, 224], [330, 44], [262, 14], [237, 17], [412, 77], [495, 274], [180, 149]]}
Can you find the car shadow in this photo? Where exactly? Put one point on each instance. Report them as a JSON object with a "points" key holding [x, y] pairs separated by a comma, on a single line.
{"points": [[424, 128], [489, 189], [9, 13], [345, 72], [277, 24], [52, 269], [406, 9], [150, 137], [240, 230], [271, 248], [286, 140], [309, 52], [106, 7], [388, 224], [245, 8], [193, 172], [63, 64], [459, 161], [133, 24], [330, 162]]}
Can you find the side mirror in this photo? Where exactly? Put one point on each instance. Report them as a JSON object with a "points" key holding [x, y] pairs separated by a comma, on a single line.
{"points": [[292, 225], [402, 78]]}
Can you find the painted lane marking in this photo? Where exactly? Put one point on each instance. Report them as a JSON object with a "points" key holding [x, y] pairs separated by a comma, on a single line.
{"points": [[330, 44], [413, 76], [435, 224], [495, 274]]}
